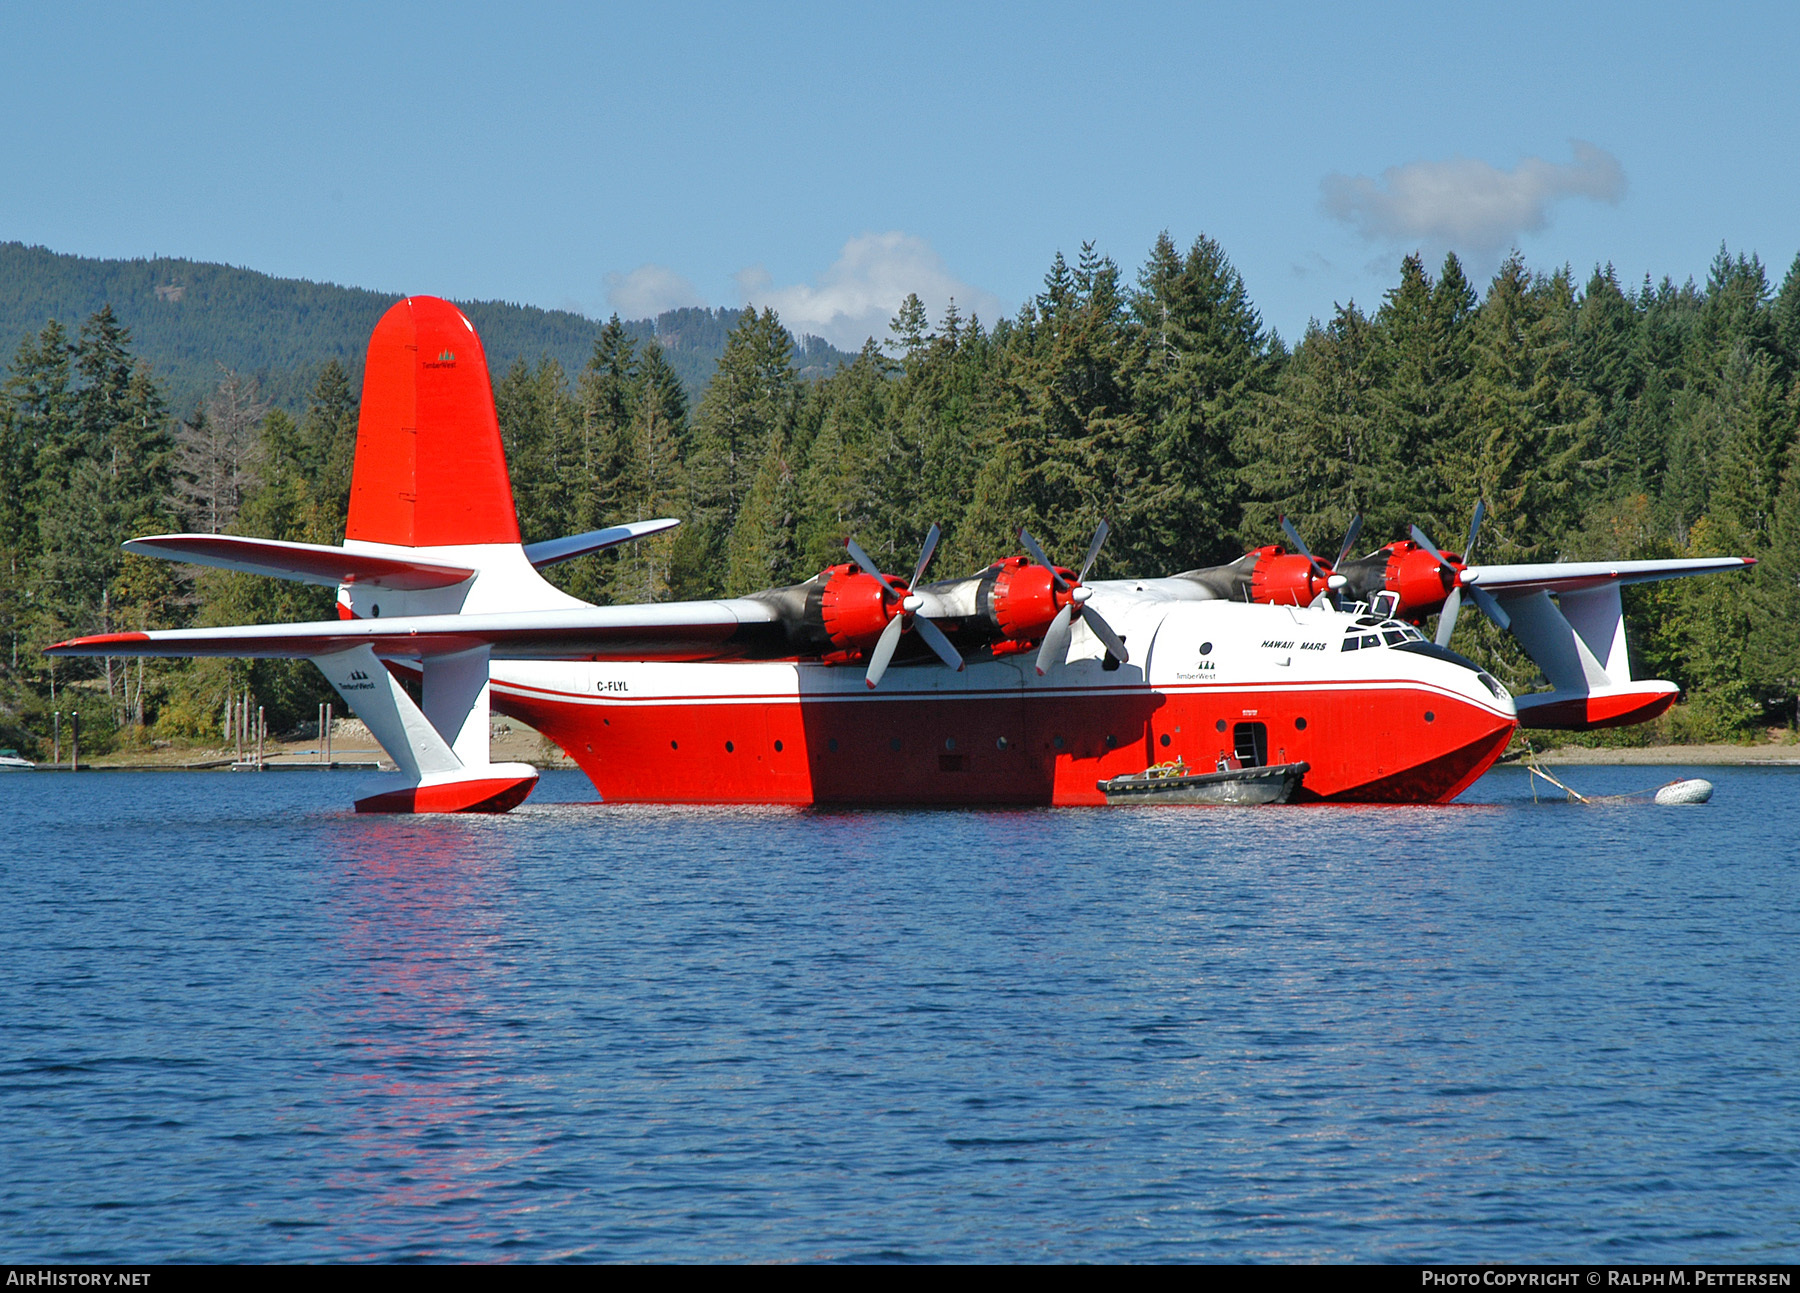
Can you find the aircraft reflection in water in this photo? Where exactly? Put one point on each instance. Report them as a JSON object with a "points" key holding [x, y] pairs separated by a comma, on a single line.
{"points": [[1024, 683]]}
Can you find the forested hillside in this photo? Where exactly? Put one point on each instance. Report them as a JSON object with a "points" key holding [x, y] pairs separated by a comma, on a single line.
{"points": [[1598, 419], [188, 320]]}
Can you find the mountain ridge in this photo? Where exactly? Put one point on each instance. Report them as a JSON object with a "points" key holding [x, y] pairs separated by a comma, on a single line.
{"points": [[193, 320]]}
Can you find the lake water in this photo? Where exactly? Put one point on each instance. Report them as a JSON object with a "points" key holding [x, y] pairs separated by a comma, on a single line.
{"points": [[242, 1023]]}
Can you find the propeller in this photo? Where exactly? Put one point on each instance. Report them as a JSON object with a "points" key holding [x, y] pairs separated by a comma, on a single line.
{"points": [[1055, 648], [1333, 580], [1453, 599], [908, 618]]}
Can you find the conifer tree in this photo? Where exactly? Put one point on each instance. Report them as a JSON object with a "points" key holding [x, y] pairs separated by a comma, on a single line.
{"points": [[763, 549], [1311, 445], [654, 483], [596, 495], [328, 440], [846, 489], [752, 396], [1531, 454], [539, 428], [1603, 363], [1209, 360], [1786, 317]]}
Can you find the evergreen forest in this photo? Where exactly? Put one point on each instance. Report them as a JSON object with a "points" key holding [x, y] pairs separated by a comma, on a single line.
{"points": [[1598, 419]]}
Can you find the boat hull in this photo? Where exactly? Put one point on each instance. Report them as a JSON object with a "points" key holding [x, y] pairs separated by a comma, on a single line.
{"points": [[1234, 787]]}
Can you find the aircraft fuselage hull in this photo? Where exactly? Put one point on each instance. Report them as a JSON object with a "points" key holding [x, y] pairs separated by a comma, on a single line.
{"points": [[1272, 683]]}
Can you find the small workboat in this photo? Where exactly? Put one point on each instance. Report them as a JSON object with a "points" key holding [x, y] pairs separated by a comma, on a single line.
{"points": [[1173, 783], [11, 762]]}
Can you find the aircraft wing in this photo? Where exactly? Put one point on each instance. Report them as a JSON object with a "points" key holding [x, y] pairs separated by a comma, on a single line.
{"points": [[1580, 576], [737, 628], [312, 563]]}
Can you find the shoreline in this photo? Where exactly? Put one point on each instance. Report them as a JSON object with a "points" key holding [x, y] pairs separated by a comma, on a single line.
{"points": [[514, 742], [1744, 756]]}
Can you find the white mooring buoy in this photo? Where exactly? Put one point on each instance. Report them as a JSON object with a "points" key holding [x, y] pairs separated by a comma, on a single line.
{"points": [[1694, 790]]}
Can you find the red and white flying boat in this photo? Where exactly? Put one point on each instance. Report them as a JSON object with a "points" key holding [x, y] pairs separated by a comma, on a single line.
{"points": [[1024, 683]]}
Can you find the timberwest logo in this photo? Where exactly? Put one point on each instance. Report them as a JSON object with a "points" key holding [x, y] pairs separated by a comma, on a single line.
{"points": [[357, 681], [359, 676], [446, 359]]}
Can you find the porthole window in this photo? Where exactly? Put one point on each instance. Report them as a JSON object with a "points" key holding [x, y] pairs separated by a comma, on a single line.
{"points": [[778, 747], [729, 747], [832, 745], [1220, 725], [949, 742], [1299, 724], [1165, 740], [1111, 740], [1000, 744], [375, 610], [674, 745], [1206, 648], [1430, 717], [1057, 742]]}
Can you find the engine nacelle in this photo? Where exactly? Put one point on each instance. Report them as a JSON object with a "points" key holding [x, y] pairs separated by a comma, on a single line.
{"points": [[854, 608], [1415, 576], [1018, 597], [1281, 578]]}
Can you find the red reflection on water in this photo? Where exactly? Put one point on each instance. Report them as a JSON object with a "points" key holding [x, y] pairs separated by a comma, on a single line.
{"points": [[421, 905]]}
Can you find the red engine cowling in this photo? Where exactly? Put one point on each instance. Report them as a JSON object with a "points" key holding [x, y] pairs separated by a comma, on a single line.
{"points": [[1023, 598], [854, 608], [1284, 578], [1416, 577]]}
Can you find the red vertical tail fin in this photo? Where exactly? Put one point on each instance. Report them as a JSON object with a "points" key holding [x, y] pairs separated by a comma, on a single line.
{"points": [[430, 469]]}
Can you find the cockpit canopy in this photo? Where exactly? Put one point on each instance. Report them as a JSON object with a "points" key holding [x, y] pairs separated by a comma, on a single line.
{"points": [[1373, 631]]}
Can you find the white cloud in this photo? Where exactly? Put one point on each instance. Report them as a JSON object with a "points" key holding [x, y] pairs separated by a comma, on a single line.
{"points": [[1469, 206], [648, 290], [862, 290]]}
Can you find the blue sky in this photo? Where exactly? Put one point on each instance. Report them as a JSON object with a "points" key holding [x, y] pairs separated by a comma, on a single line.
{"points": [[825, 159]]}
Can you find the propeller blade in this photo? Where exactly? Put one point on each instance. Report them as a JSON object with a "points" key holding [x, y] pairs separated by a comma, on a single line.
{"points": [[935, 639], [869, 567], [884, 650], [1447, 616], [1055, 649], [1100, 533], [1425, 543], [1287, 528], [1490, 607], [1474, 529], [1349, 540], [1102, 630], [1037, 555], [931, 542]]}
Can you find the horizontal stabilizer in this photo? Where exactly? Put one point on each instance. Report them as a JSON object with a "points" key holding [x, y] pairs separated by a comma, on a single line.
{"points": [[310, 563], [1577, 576], [717, 630], [552, 551]]}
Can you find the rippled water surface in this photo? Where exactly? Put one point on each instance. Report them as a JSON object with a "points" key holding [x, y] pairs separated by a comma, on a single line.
{"points": [[243, 1023]]}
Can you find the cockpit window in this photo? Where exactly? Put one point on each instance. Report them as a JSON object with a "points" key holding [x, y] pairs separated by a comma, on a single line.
{"points": [[1392, 633]]}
